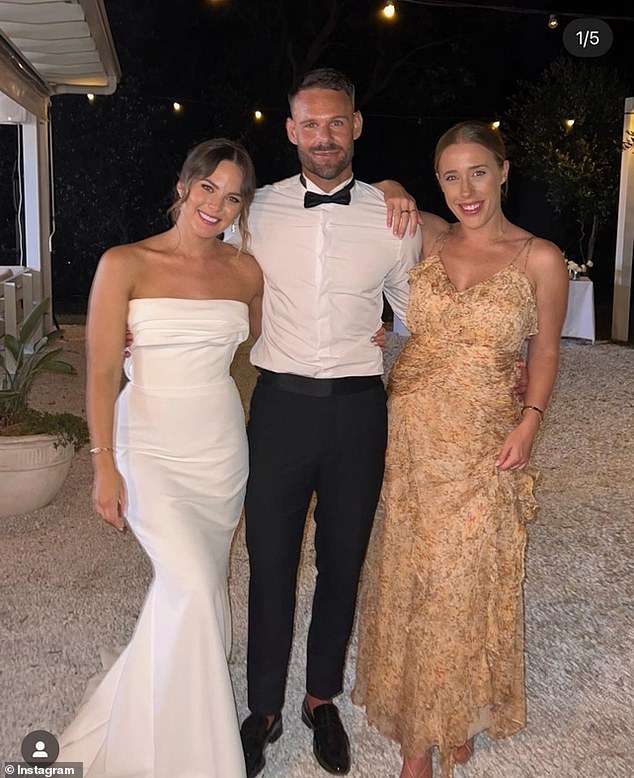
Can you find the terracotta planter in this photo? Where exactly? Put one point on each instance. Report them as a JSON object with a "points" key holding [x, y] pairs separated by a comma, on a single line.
{"points": [[32, 471]]}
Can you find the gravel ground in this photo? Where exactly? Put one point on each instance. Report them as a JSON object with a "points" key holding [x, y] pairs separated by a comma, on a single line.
{"points": [[70, 585]]}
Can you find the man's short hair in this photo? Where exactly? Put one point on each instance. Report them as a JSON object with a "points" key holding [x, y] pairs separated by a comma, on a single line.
{"points": [[323, 78]]}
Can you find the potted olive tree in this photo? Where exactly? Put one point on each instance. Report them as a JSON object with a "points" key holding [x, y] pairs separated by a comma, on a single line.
{"points": [[36, 448], [565, 131]]}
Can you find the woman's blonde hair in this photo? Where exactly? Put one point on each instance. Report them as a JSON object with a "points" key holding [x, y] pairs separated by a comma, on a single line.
{"points": [[472, 132], [201, 163]]}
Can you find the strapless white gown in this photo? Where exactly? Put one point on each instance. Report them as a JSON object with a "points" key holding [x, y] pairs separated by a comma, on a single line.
{"points": [[166, 708]]}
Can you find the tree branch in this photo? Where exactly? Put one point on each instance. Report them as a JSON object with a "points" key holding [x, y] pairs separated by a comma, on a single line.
{"points": [[323, 36], [377, 84]]}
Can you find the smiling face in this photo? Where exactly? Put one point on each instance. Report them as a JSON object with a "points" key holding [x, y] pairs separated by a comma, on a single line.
{"points": [[471, 178], [213, 202], [323, 125]]}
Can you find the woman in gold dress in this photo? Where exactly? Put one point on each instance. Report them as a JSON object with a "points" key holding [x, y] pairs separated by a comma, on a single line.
{"points": [[441, 625]]}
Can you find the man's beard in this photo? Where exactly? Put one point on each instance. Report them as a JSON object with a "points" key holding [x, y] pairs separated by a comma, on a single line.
{"points": [[326, 170]]}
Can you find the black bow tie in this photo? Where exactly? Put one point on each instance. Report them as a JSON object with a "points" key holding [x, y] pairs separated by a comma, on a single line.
{"points": [[341, 197]]}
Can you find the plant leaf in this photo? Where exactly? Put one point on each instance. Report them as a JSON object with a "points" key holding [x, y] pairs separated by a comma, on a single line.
{"points": [[31, 366], [32, 321], [60, 367], [13, 345], [49, 363], [55, 335], [21, 362]]}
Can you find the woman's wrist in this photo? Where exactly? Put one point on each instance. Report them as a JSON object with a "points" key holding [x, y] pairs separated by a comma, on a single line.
{"points": [[531, 422], [103, 459], [101, 450], [532, 410]]}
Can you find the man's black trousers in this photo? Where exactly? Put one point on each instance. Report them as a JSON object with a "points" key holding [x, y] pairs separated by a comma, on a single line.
{"points": [[322, 436]]}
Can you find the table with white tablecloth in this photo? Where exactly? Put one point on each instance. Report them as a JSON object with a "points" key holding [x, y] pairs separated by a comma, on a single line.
{"points": [[579, 321]]}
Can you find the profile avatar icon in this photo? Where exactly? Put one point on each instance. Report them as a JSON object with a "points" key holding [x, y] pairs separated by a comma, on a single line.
{"points": [[39, 750]]}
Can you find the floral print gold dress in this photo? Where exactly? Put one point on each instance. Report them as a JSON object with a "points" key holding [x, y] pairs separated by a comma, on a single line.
{"points": [[440, 653]]}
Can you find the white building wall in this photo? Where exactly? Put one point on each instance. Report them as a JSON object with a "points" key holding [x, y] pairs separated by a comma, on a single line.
{"points": [[624, 235]]}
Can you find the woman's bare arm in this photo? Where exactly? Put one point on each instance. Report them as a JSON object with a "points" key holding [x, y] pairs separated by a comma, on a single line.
{"points": [[105, 334]]}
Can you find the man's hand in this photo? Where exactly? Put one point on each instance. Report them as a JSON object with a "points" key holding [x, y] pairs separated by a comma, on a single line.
{"points": [[128, 342], [379, 338], [402, 212]]}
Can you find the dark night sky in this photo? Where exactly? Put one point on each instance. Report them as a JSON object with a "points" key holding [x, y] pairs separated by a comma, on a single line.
{"points": [[176, 47], [231, 55], [224, 58], [116, 160]]}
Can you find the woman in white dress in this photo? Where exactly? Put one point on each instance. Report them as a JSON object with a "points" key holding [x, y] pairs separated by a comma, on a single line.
{"points": [[170, 459]]}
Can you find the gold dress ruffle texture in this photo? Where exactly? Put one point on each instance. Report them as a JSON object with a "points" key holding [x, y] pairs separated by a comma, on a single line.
{"points": [[440, 654]]}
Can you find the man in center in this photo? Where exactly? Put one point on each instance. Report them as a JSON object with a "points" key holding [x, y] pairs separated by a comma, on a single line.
{"points": [[318, 413]]}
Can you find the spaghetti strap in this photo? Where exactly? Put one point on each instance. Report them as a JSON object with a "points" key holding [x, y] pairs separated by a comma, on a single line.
{"points": [[439, 243], [525, 246]]}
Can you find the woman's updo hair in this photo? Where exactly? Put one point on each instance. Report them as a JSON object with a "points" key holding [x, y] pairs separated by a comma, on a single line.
{"points": [[472, 132], [202, 161]]}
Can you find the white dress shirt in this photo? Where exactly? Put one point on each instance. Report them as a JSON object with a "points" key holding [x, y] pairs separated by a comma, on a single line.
{"points": [[325, 269]]}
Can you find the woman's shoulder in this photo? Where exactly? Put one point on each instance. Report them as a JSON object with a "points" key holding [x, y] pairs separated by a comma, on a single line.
{"points": [[433, 227], [139, 250], [243, 268], [543, 254], [250, 263], [135, 256], [545, 261], [121, 266], [250, 269], [545, 250]]}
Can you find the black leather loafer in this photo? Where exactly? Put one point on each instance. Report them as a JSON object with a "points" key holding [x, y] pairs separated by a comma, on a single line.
{"points": [[330, 742], [255, 735]]}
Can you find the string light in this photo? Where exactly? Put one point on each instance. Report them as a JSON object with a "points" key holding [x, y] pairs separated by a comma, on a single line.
{"points": [[553, 22], [90, 97], [495, 125], [568, 125], [389, 10], [503, 8], [258, 116], [177, 107]]}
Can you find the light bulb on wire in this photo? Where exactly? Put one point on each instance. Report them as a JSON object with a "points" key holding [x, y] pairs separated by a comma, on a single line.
{"points": [[389, 10], [553, 22]]}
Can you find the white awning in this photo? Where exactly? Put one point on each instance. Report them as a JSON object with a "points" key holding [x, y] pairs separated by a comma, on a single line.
{"points": [[50, 47]]}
